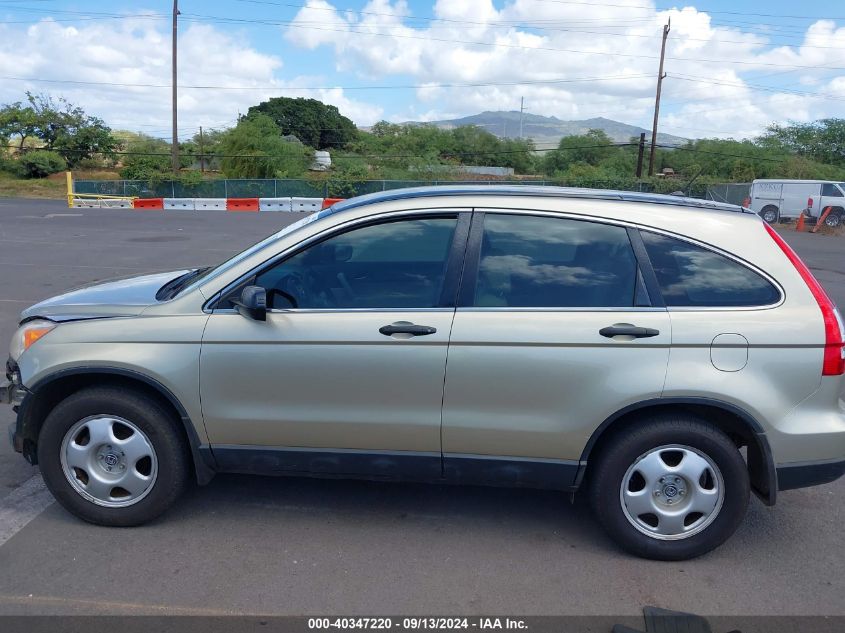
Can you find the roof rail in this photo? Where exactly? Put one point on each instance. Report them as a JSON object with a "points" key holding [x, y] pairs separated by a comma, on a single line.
{"points": [[532, 191]]}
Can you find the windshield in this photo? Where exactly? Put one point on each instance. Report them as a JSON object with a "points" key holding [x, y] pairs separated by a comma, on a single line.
{"points": [[206, 274]]}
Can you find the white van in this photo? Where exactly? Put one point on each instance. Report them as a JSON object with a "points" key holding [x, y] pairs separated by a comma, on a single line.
{"points": [[785, 199]]}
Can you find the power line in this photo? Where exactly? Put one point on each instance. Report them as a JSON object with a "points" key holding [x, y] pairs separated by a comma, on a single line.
{"points": [[682, 148], [340, 156], [538, 24], [381, 87], [557, 50], [656, 8]]}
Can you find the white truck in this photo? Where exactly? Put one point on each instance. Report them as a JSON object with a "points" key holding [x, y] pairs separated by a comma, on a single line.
{"points": [[776, 200]]}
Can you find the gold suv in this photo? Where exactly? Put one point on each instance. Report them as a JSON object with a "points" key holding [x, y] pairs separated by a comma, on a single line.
{"points": [[629, 345]]}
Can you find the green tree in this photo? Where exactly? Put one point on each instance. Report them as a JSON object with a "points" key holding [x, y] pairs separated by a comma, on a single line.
{"points": [[59, 125], [39, 163], [206, 148], [254, 148], [146, 158], [18, 120], [822, 140], [312, 122], [587, 149]]}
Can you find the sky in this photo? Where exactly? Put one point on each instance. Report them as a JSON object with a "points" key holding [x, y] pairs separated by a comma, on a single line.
{"points": [[733, 67]]}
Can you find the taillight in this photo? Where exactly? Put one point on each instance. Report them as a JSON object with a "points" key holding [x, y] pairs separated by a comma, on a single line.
{"points": [[834, 332], [810, 202]]}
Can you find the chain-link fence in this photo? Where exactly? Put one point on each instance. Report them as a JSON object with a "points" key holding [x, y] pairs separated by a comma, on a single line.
{"points": [[734, 193], [282, 188]]}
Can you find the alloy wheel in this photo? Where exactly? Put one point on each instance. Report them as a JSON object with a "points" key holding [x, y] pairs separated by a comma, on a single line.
{"points": [[109, 461], [672, 492]]}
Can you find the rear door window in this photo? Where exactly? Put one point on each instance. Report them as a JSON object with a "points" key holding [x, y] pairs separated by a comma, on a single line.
{"points": [[546, 262], [692, 276]]}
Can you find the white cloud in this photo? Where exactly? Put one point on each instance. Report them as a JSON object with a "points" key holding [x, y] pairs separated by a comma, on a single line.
{"points": [[541, 41], [137, 51]]}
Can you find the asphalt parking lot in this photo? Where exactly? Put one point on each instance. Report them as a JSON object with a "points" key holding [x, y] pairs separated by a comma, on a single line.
{"points": [[294, 546]]}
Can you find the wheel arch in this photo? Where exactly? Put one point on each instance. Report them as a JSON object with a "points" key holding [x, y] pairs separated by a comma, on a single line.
{"points": [[737, 423], [45, 394]]}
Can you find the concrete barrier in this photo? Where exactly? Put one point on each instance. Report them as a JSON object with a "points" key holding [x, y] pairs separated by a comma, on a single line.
{"points": [[306, 204], [274, 204], [242, 204], [156, 204], [181, 204], [297, 205], [210, 204]]}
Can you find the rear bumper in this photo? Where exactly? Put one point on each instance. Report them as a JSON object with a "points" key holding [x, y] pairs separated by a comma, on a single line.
{"points": [[804, 474]]}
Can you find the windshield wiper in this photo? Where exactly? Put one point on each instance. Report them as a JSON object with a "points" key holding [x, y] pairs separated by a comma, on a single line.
{"points": [[175, 286]]}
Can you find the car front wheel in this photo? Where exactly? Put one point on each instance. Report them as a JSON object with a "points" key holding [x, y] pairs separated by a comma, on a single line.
{"points": [[673, 487], [113, 456]]}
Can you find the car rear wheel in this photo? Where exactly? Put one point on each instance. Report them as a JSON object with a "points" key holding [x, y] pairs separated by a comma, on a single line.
{"points": [[770, 214], [113, 456], [672, 488]]}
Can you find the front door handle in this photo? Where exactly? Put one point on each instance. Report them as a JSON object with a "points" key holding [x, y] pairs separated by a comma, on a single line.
{"points": [[407, 328], [628, 330]]}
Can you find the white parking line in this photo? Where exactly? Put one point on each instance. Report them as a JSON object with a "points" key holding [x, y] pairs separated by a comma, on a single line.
{"points": [[22, 505]]}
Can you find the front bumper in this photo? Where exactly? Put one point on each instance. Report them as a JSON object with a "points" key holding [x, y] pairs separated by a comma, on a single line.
{"points": [[12, 392], [804, 474], [14, 439]]}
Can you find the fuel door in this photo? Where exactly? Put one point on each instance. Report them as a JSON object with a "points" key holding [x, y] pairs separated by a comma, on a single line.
{"points": [[729, 352]]}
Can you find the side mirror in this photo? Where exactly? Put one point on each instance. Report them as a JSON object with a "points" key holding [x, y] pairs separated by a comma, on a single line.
{"points": [[253, 303]]}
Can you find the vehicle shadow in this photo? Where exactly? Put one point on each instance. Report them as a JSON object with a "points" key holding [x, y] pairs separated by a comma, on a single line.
{"points": [[369, 503]]}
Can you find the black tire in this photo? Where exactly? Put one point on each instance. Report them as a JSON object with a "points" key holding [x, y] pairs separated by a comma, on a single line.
{"points": [[149, 415], [607, 473], [834, 219], [770, 214]]}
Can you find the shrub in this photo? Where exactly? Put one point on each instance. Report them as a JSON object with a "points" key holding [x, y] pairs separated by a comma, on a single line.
{"points": [[41, 162], [10, 166]]}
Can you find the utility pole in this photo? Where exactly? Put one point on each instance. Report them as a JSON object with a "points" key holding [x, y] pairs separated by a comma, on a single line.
{"points": [[639, 155], [175, 145], [521, 110], [202, 157], [660, 76]]}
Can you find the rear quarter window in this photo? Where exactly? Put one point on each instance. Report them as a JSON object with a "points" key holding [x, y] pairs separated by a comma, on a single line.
{"points": [[692, 276]]}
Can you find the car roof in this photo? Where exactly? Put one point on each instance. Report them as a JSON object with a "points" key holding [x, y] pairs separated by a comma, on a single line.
{"points": [[529, 191], [798, 181]]}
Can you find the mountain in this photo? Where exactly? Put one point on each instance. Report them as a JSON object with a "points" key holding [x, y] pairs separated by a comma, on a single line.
{"points": [[548, 130]]}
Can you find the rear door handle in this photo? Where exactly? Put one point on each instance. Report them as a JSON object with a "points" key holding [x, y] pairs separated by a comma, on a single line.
{"points": [[628, 330], [407, 328]]}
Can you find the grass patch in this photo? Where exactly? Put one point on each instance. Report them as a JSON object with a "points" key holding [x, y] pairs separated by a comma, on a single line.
{"points": [[12, 187], [53, 187]]}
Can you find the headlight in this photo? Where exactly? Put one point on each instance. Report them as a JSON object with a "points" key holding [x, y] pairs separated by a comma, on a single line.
{"points": [[27, 334]]}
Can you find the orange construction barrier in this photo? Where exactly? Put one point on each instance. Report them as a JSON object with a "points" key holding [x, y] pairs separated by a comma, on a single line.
{"points": [[241, 204], [822, 218], [149, 203], [327, 202]]}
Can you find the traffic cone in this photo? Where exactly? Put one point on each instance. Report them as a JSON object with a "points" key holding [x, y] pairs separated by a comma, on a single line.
{"points": [[800, 225]]}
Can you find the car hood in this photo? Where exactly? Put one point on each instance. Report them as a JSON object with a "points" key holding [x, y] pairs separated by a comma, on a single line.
{"points": [[122, 297]]}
